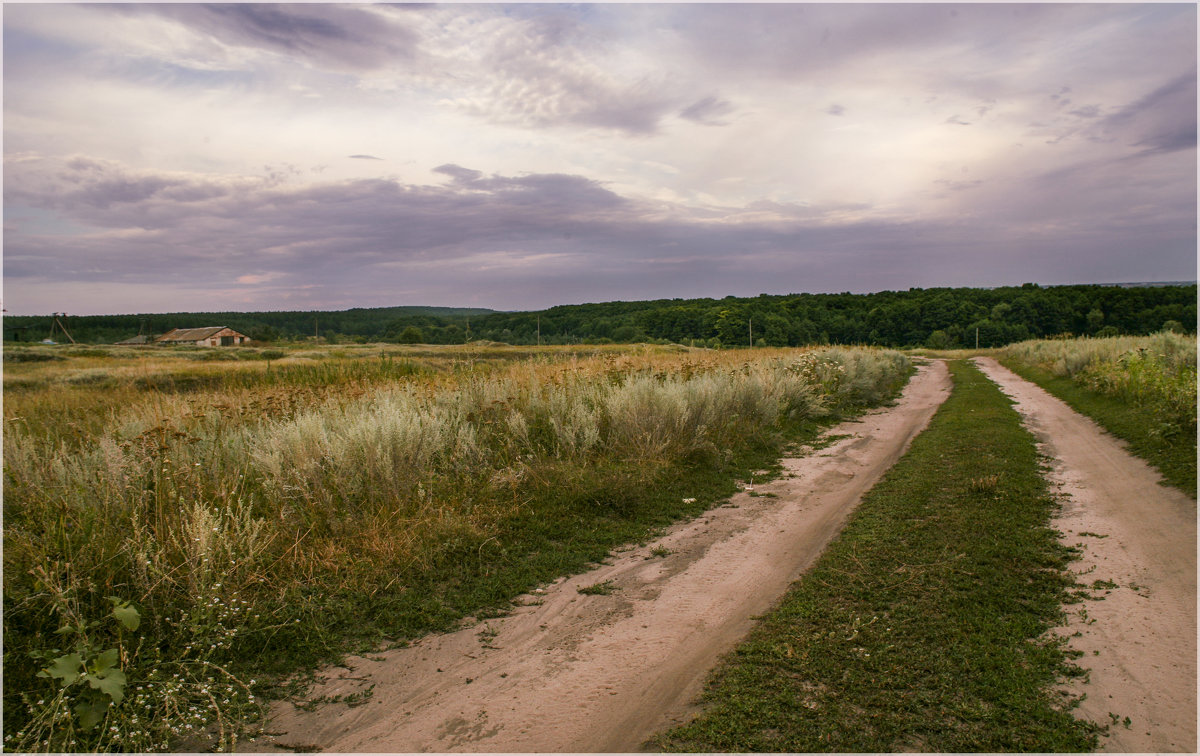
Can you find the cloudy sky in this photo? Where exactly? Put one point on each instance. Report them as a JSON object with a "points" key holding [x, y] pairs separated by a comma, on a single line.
{"points": [[208, 157]]}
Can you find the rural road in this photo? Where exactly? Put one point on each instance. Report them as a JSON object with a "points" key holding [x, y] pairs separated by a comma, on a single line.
{"points": [[1139, 638], [574, 672]]}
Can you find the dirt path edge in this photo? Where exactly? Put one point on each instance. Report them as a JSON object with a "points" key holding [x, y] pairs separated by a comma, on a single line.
{"points": [[569, 672], [1138, 637]]}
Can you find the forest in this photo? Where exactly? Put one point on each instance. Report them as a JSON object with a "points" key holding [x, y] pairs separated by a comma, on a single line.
{"points": [[936, 318]]}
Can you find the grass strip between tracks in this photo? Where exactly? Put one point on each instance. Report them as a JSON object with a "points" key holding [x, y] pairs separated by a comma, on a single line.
{"points": [[1174, 456], [924, 626]]}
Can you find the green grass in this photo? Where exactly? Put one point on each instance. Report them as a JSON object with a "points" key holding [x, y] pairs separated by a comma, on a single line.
{"points": [[924, 625], [1174, 455]]}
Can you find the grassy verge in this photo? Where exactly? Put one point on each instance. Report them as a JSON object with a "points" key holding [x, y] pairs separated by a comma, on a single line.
{"points": [[1173, 454], [924, 625]]}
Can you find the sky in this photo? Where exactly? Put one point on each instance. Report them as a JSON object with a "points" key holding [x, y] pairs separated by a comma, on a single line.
{"points": [[189, 157]]}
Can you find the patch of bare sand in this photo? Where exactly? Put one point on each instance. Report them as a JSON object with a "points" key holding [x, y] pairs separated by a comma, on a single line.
{"points": [[1138, 639], [602, 673]]}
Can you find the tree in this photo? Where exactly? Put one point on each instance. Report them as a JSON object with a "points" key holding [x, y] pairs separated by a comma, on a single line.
{"points": [[411, 335], [264, 333], [939, 340]]}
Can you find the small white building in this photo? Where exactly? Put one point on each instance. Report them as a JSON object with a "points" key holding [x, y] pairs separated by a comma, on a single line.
{"points": [[211, 336]]}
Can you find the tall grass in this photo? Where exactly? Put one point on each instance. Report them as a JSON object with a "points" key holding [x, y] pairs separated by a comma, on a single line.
{"points": [[1155, 372], [232, 513], [1140, 389]]}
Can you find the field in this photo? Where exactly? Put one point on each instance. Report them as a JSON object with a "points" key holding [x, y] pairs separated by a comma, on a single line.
{"points": [[182, 526], [186, 529]]}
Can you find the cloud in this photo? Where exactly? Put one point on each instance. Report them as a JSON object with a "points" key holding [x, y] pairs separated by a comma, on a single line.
{"points": [[458, 173], [541, 68], [168, 144], [1086, 112], [708, 111], [503, 241], [341, 36], [1162, 121]]}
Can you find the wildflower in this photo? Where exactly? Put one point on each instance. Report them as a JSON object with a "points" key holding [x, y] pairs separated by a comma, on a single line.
{"points": [[690, 500]]}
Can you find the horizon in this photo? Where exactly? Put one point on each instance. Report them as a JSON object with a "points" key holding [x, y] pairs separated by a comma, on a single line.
{"points": [[324, 157], [1119, 284]]}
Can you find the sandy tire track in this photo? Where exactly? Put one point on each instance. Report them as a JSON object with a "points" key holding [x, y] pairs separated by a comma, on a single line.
{"points": [[574, 672], [1139, 641]]}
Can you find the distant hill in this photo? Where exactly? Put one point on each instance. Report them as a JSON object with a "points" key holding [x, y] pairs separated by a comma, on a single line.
{"points": [[941, 317]]}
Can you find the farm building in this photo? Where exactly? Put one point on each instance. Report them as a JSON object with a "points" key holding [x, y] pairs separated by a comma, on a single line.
{"points": [[211, 336]]}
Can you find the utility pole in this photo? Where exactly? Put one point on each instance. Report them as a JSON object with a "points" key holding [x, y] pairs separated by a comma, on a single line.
{"points": [[976, 338], [751, 332], [539, 326], [59, 323], [316, 330]]}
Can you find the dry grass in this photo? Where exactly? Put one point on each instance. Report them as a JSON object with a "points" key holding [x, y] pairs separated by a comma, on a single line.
{"points": [[185, 485]]}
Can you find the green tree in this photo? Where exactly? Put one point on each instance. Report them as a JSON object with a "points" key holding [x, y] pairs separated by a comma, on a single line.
{"points": [[411, 335], [939, 340]]}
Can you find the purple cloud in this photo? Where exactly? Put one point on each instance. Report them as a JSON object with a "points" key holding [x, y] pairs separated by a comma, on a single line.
{"points": [[518, 241], [1162, 121]]}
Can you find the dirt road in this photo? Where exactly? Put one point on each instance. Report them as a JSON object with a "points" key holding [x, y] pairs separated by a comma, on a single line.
{"points": [[1139, 639], [575, 672]]}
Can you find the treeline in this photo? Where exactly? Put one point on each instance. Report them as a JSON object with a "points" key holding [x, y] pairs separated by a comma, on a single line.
{"points": [[939, 318], [356, 324]]}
